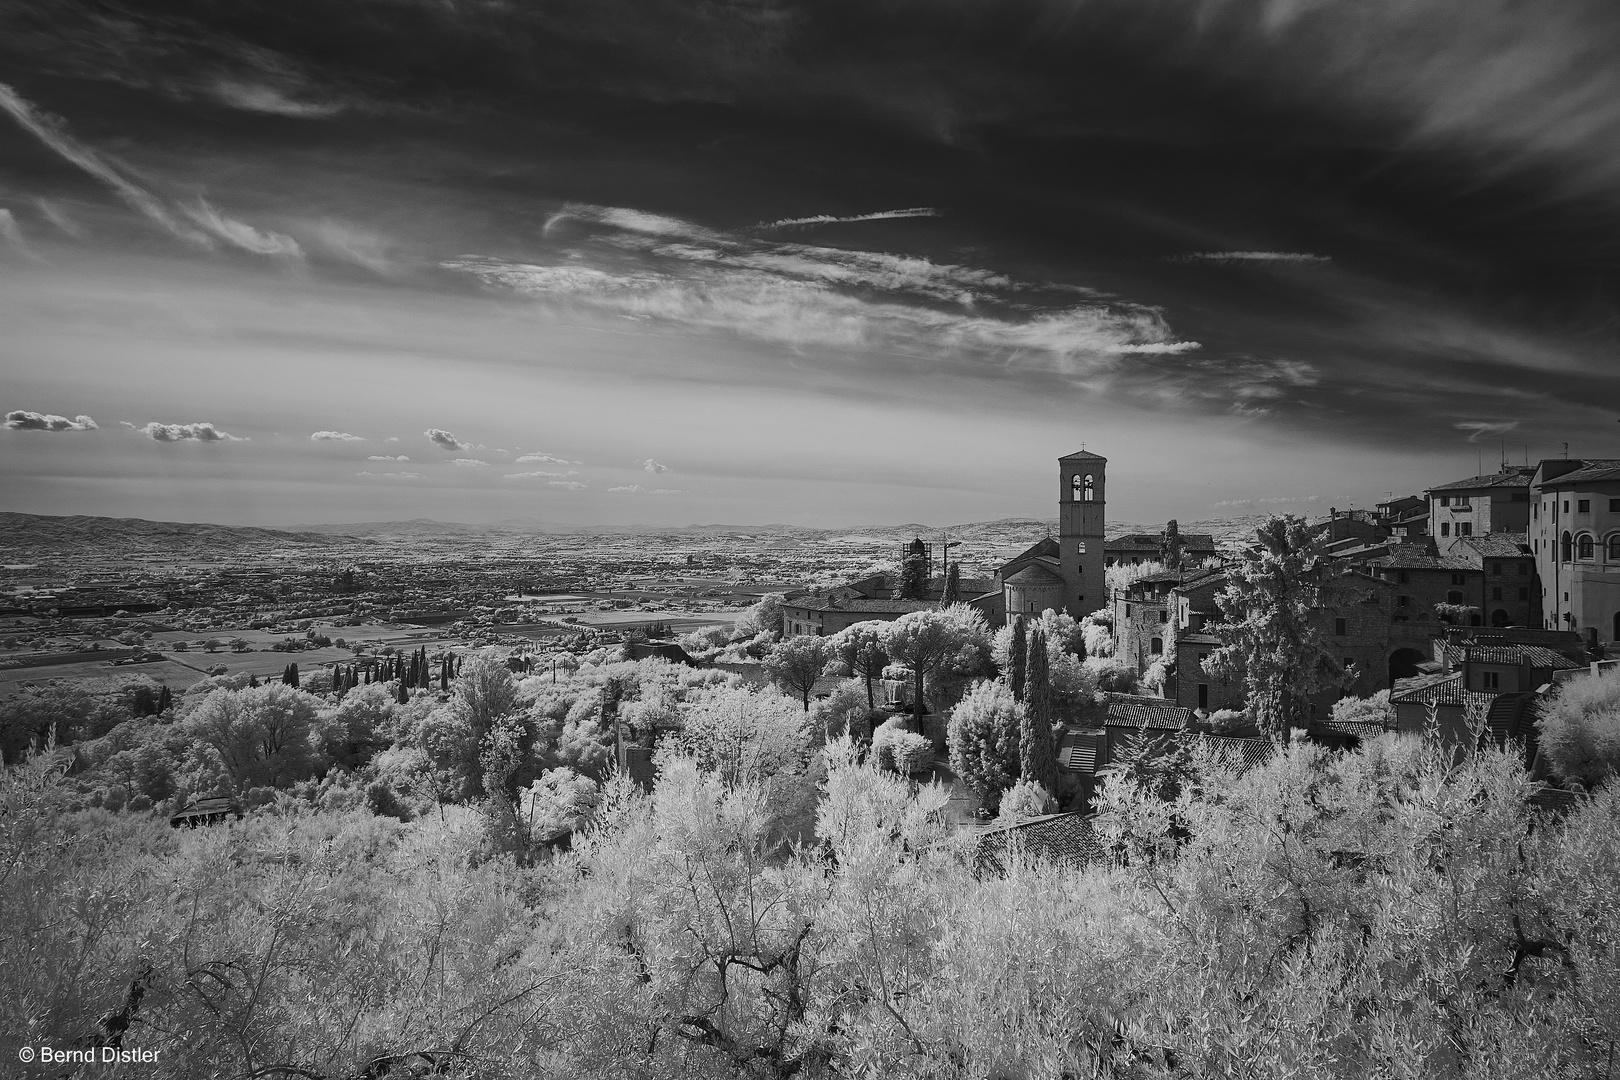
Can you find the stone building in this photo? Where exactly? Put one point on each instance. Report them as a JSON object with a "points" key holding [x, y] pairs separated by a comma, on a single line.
{"points": [[1134, 549], [1508, 595], [1575, 541], [1499, 502]]}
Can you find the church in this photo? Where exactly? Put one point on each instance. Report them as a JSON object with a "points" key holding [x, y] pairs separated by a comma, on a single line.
{"points": [[1066, 572]]}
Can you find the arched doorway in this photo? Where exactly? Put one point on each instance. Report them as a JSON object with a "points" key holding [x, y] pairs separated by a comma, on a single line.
{"points": [[1403, 664], [1500, 617]]}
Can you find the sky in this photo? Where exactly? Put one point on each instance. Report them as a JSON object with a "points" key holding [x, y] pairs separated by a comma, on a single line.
{"points": [[822, 263]]}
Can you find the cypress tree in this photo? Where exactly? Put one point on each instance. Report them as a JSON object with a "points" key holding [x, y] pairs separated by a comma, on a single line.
{"points": [[253, 680], [1037, 758], [404, 695], [1017, 659], [914, 571], [165, 699], [953, 586], [292, 672]]}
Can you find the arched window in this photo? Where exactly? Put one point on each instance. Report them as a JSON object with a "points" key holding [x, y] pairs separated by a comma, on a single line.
{"points": [[1583, 546], [1088, 486], [1566, 548], [1080, 548], [1614, 548]]}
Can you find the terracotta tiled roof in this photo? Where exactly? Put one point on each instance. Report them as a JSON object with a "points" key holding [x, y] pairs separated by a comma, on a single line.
{"points": [[1156, 714], [1363, 729], [1497, 545], [1591, 471], [1512, 478], [1517, 654], [1447, 691], [1035, 574], [1239, 755], [1066, 840], [1421, 560]]}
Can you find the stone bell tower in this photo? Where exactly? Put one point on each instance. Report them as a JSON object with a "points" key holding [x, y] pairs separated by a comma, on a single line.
{"points": [[1082, 480]]}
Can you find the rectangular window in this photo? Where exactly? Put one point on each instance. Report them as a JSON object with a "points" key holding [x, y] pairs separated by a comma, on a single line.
{"points": [[1445, 500], [1583, 506], [1467, 529], [1338, 627], [1203, 695], [1566, 506], [1496, 569], [1164, 616], [1456, 579], [1400, 577], [1492, 680], [1445, 528], [1614, 506], [1496, 593], [1403, 601]]}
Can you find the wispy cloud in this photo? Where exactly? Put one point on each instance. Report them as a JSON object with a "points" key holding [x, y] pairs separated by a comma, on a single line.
{"points": [[637, 489], [538, 474], [805, 295], [388, 457], [536, 458], [173, 433], [470, 463], [352, 244], [11, 233], [394, 475], [60, 218], [568, 485], [50, 131], [1480, 429], [829, 219], [257, 97], [654, 466], [24, 420], [444, 440], [335, 436], [242, 235], [1249, 256]]}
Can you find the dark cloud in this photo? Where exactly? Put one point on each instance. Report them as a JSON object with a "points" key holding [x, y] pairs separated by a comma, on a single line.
{"points": [[444, 440], [24, 420]]}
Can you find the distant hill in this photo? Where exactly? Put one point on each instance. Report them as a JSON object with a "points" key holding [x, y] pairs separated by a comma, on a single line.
{"points": [[42, 532]]}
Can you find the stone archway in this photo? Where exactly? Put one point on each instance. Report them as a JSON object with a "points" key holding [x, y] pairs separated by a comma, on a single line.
{"points": [[1403, 664]]}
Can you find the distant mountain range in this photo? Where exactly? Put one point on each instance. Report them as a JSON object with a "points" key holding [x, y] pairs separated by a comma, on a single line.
{"points": [[41, 532], [46, 532]]}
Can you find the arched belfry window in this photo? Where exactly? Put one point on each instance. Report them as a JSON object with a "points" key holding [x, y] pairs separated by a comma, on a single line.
{"points": [[1080, 548], [1088, 488]]}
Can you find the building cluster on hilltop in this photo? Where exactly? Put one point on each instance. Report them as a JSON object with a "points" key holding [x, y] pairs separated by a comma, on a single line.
{"points": [[1472, 591]]}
